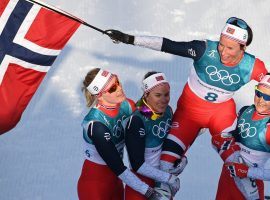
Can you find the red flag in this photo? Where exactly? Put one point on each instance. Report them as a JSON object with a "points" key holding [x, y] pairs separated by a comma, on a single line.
{"points": [[31, 37]]}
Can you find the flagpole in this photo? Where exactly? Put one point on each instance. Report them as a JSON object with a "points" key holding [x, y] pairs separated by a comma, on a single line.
{"points": [[70, 16]]}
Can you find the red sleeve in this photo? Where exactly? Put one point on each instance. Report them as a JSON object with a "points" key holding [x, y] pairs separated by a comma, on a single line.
{"points": [[132, 104], [267, 135], [259, 70]]}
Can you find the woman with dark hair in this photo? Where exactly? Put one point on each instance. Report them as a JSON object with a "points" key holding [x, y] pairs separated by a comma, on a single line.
{"points": [[145, 132], [220, 69]]}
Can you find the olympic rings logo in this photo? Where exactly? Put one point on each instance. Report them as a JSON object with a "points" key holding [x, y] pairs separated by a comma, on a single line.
{"points": [[162, 128], [246, 130], [222, 75]]}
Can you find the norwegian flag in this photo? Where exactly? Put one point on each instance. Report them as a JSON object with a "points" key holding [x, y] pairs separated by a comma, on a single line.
{"points": [[230, 30], [159, 78], [31, 37]]}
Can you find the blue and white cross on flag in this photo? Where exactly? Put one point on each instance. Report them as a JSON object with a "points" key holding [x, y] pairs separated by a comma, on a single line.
{"points": [[31, 37]]}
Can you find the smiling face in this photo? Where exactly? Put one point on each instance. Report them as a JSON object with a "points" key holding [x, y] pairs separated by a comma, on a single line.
{"points": [[112, 94], [230, 51], [261, 104], [158, 98]]}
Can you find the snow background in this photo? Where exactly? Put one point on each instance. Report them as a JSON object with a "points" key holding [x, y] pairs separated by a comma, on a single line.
{"points": [[41, 158]]}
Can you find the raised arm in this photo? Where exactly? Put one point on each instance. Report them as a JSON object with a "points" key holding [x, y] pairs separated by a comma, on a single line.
{"points": [[193, 49]]}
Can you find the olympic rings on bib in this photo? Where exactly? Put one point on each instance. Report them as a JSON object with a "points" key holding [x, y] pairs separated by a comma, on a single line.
{"points": [[222, 75], [246, 130]]}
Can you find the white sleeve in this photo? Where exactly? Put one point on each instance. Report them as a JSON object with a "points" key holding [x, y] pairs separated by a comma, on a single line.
{"points": [[134, 182], [259, 173], [151, 42], [153, 173]]}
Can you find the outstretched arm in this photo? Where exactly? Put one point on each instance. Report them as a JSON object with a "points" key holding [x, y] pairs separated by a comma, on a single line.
{"points": [[194, 49]]}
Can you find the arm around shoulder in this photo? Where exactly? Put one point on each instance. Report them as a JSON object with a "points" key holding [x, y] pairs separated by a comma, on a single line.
{"points": [[101, 137]]}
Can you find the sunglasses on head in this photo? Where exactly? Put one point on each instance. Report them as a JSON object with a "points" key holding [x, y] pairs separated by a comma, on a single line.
{"points": [[146, 110], [260, 94], [236, 21], [113, 87]]}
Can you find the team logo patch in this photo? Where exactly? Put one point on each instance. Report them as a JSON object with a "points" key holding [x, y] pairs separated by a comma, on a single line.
{"points": [[142, 131], [105, 73], [159, 78], [230, 30], [95, 88], [107, 136], [260, 76], [146, 86]]}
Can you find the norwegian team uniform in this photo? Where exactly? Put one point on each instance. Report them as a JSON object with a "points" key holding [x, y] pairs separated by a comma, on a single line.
{"points": [[144, 138], [104, 142], [252, 134], [206, 100]]}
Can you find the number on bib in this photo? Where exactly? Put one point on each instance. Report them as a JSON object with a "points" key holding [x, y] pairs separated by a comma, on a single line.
{"points": [[211, 96], [87, 153]]}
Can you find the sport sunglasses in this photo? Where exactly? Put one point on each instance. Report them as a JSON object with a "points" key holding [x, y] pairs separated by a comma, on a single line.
{"points": [[113, 87], [260, 94], [241, 23]]}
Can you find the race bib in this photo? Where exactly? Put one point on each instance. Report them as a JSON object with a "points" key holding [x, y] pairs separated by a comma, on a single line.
{"points": [[207, 92]]}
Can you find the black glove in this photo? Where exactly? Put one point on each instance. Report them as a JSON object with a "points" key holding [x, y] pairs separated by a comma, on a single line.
{"points": [[118, 36]]}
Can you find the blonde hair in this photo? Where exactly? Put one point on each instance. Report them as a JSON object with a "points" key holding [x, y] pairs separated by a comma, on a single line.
{"points": [[90, 98]]}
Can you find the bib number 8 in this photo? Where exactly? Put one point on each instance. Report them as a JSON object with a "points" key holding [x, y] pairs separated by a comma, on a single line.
{"points": [[211, 96]]}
